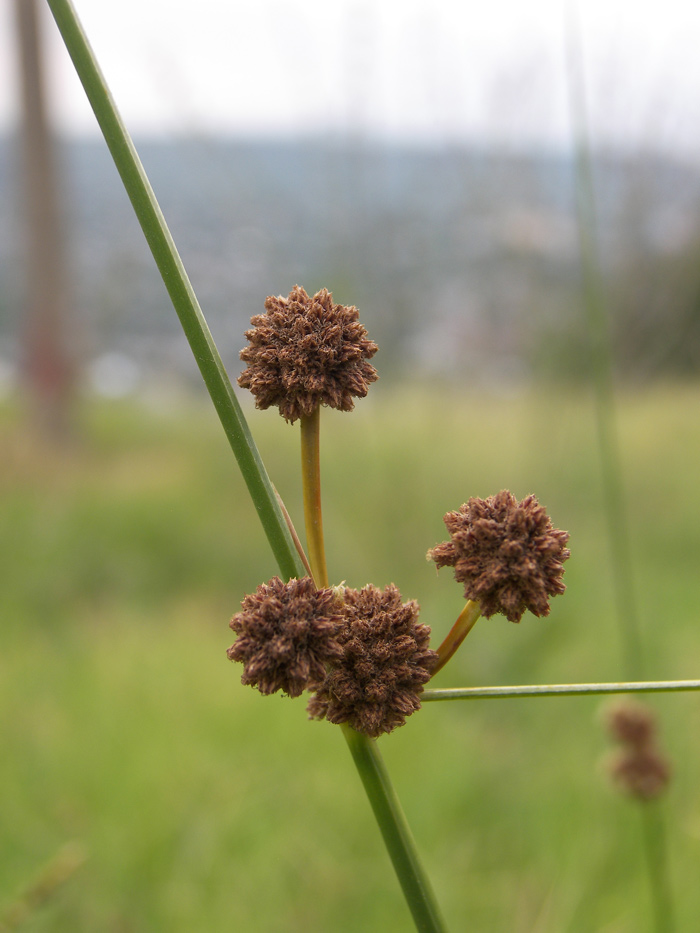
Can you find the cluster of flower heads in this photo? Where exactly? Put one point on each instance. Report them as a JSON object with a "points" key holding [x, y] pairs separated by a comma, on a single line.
{"points": [[506, 553], [362, 653], [638, 768], [305, 352]]}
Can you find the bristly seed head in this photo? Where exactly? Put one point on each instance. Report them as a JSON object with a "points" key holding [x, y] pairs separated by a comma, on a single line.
{"points": [[305, 352], [286, 634], [506, 553], [385, 661]]}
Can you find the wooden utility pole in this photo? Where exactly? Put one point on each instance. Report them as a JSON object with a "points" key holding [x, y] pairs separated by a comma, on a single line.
{"points": [[48, 363]]}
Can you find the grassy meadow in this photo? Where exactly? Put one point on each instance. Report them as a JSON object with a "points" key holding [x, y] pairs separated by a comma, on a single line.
{"points": [[202, 805]]}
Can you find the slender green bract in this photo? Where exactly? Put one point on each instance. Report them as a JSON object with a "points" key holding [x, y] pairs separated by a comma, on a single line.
{"points": [[365, 753], [179, 288], [570, 690]]}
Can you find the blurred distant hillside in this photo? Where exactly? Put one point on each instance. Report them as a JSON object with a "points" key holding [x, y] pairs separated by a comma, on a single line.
{"points": [[463, 262]]}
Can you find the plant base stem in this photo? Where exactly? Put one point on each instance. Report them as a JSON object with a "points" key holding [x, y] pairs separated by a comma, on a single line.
{"points": [[395, 831]]}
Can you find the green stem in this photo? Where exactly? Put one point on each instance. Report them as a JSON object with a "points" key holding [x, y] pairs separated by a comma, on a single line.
{"points": [[657, 863], [179, 288], [466, 621], [311, 480], [567, 690], [395, 831]]}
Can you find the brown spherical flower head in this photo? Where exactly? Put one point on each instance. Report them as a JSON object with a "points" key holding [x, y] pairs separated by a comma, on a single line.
{"points": [[305, 352], [386, 659], [286, 634], [506, 553]]}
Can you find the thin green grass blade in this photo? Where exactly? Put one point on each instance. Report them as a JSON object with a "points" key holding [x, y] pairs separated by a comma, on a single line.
{"points": [[179, 288]]}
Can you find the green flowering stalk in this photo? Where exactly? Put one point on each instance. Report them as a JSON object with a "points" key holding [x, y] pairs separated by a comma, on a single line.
{"points": [[304, 353], [362, 654]]}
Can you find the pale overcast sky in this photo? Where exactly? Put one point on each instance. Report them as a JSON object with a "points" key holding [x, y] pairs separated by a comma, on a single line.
{"points": [[418, 69]]}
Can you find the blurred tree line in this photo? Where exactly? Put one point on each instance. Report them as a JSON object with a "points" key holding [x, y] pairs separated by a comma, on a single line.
{"points": [[463, 260]]}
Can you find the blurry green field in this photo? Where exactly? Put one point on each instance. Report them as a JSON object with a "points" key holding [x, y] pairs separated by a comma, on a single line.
{"points": [[204, 806]]}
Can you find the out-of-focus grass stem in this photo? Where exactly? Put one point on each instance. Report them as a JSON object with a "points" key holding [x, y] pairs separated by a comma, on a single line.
{"points": [[608, 441], [598, 317], [653, 829], [52, 877]]}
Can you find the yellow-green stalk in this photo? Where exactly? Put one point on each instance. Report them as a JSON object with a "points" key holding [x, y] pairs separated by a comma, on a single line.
{"points": [[459, 631], [311, 479]]}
